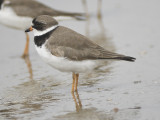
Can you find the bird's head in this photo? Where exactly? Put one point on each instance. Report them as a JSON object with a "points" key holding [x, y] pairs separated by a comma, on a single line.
{"points": [[42, 23]]}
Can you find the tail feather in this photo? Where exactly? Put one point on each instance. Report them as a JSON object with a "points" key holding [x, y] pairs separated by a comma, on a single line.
{"points": [[126, 58], [111, 55], [77, 16], [80, 17]]}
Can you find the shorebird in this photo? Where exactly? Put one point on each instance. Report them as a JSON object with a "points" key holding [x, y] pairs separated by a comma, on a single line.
{"points": [[67, 50], [18, 14]]}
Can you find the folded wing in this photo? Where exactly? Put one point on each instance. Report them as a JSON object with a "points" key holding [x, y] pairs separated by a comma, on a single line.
{"points": [[67, 43]]}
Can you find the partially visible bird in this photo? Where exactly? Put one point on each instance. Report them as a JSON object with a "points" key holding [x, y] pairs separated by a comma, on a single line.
{"points": [[18, 14]]}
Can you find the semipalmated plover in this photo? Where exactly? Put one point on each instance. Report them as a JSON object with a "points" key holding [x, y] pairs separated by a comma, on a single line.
{"points": [[19, 14], [67, 50]]}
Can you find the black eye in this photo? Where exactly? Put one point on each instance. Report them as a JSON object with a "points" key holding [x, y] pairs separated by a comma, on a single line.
{"points": [[36, 22], [38, 26]]}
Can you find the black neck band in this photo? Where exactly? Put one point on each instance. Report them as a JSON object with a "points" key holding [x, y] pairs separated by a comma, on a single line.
{"points": [[40, 40]]}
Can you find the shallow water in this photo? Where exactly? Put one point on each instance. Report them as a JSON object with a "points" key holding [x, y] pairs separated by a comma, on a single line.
{"points": [[118, 90]]}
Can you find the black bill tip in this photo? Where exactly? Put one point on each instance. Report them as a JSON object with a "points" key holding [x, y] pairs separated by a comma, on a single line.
{"points": [[29, 29]]}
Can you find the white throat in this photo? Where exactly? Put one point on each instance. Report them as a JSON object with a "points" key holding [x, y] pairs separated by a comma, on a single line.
{"points": [[39, 33]]}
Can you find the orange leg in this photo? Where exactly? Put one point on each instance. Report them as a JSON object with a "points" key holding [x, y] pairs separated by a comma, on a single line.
{"points": [[77, 101], [74, 77], [28, 62], [77, 76], [76, 104], [25, 54]]}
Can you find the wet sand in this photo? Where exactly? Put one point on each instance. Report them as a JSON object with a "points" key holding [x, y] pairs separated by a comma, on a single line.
{"points": [[119, 90]]}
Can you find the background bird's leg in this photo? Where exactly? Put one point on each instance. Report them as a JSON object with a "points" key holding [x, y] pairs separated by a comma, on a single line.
{"points": [[73, 83], [99, 15], [77, 76], [84, 2], [29, 65], [26, 49]]}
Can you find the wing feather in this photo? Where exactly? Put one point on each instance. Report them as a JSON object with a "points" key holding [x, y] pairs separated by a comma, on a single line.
{"points": [[26, 8], [67, 43]]}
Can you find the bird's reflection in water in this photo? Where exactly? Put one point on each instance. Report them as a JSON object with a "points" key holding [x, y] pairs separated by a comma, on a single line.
{"points": [[84, 113], [33, 98], [84, 2], [99, 17], [29, 66], [93, 113], [77, 101], [28, 98], [100, 38], [99, 7]]}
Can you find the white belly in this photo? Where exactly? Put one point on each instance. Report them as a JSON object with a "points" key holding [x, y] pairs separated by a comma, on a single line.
{"points": [[10, 19], [64, 64]]}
